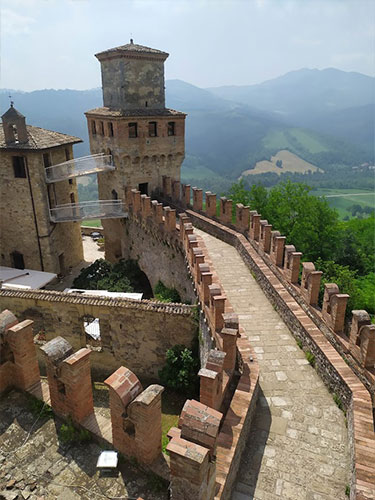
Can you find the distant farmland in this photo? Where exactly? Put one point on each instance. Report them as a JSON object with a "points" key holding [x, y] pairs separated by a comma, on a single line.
{"points": [[290, 163], [344, 199]]}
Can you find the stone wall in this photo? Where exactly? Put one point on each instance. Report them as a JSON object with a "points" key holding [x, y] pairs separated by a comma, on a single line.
{"points": [[159, 258], [133, 333], [37, 238]]}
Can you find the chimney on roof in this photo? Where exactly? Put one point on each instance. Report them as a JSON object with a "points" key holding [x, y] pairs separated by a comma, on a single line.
{"points": [[14, 125]]}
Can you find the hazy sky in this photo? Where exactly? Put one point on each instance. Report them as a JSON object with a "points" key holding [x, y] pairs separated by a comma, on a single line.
{"points": [[51, 43]]}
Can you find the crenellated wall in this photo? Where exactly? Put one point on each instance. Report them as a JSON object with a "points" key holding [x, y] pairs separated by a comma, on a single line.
{"points": [[276, 267], [134, 333]]}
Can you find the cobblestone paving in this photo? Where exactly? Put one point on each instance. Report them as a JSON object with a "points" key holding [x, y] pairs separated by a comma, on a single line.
{"points": [[298, 446], [36, 465]]}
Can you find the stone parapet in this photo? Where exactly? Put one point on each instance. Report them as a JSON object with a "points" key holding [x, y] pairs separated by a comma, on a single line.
{"points": [[331, 366]]}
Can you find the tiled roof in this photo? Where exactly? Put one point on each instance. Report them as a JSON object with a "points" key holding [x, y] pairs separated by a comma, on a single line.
{"points": [[39, 138], [133, 48], [134, 112]]}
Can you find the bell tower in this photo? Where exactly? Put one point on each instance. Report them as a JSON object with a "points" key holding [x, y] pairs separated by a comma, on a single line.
{"points": [[146, 139]]}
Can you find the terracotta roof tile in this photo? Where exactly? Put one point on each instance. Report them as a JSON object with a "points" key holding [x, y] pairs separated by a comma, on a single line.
{"points": [[39, 138]]}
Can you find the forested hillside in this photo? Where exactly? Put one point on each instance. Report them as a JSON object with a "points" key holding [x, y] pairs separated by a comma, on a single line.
{"points": [[229, 130]]}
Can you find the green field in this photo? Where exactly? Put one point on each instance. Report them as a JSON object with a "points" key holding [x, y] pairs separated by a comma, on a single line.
{"points": [[91, 223], [294, 139], [343, 199]]}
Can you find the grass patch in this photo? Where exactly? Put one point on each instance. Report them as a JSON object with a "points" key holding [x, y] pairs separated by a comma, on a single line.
{"points": [[39, 408], [338, 401], [310, 358], [92, 223], [171, 406], [69, 434], [299, 343], [347, 490]]}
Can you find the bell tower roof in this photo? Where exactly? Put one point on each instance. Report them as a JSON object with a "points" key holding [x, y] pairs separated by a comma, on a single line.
{"points": [[132, 50], [12, 114]]}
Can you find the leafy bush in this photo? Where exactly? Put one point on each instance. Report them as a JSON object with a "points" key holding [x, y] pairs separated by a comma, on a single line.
{"points": [[67, 433], [165, 294], [124, 276], [181, 370]]}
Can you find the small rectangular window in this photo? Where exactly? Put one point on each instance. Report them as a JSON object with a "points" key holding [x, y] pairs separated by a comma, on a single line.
{"points": [[101, 125], [133, 132], [93, 127], [67, 154], [19, 167], [17, 260], [46, 160], [110, 129], [152, 129], [171, 128]]}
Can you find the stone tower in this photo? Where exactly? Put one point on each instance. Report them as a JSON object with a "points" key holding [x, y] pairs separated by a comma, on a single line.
{"points": [[29, 238], [145, 139]]}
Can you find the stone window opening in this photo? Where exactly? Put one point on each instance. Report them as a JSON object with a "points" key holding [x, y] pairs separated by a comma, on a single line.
{"points": [[67, 154], [17, 260], [101, 126], [93, 127], [133, 130], [46, 160], [143, 188], [91, 328], [171, 128], [60, 386], [152, 129], [13, 132], [110, 129], [19, 167], [114, 194], [146, 104]]}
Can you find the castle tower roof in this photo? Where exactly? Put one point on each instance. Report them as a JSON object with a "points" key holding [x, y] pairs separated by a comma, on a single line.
{"points": [[132, 50]]}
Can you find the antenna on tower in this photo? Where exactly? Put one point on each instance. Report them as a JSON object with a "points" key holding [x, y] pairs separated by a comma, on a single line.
{"points": [[131, 38], [11, 102]]}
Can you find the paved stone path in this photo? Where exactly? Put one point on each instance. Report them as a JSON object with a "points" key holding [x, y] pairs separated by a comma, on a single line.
{"points": [[298, 446]]}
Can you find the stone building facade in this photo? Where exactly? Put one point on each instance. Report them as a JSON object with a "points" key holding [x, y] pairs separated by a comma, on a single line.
{"points": [[29, 239], [146, 139]]}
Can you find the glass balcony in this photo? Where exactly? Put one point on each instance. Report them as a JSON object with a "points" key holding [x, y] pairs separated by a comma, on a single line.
{"points": [[79, 166], [99, 209]]}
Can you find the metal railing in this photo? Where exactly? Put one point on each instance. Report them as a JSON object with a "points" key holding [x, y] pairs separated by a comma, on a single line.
{"points": [[79, 166], [99, 209]]}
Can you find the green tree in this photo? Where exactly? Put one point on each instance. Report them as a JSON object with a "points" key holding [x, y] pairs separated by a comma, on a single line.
{"points": [[308, 222], [181, 370], [344, 278]]}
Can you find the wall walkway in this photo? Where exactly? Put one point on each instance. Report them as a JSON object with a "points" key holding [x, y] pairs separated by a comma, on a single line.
{"points": [[298, 446]]}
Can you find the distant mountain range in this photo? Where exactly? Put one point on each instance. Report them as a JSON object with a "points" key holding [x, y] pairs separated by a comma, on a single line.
{"points": [[330, 101], [326, 117]]}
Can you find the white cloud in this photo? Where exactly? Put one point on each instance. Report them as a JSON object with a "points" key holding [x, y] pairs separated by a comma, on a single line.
{"points": [[13, 23]]}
